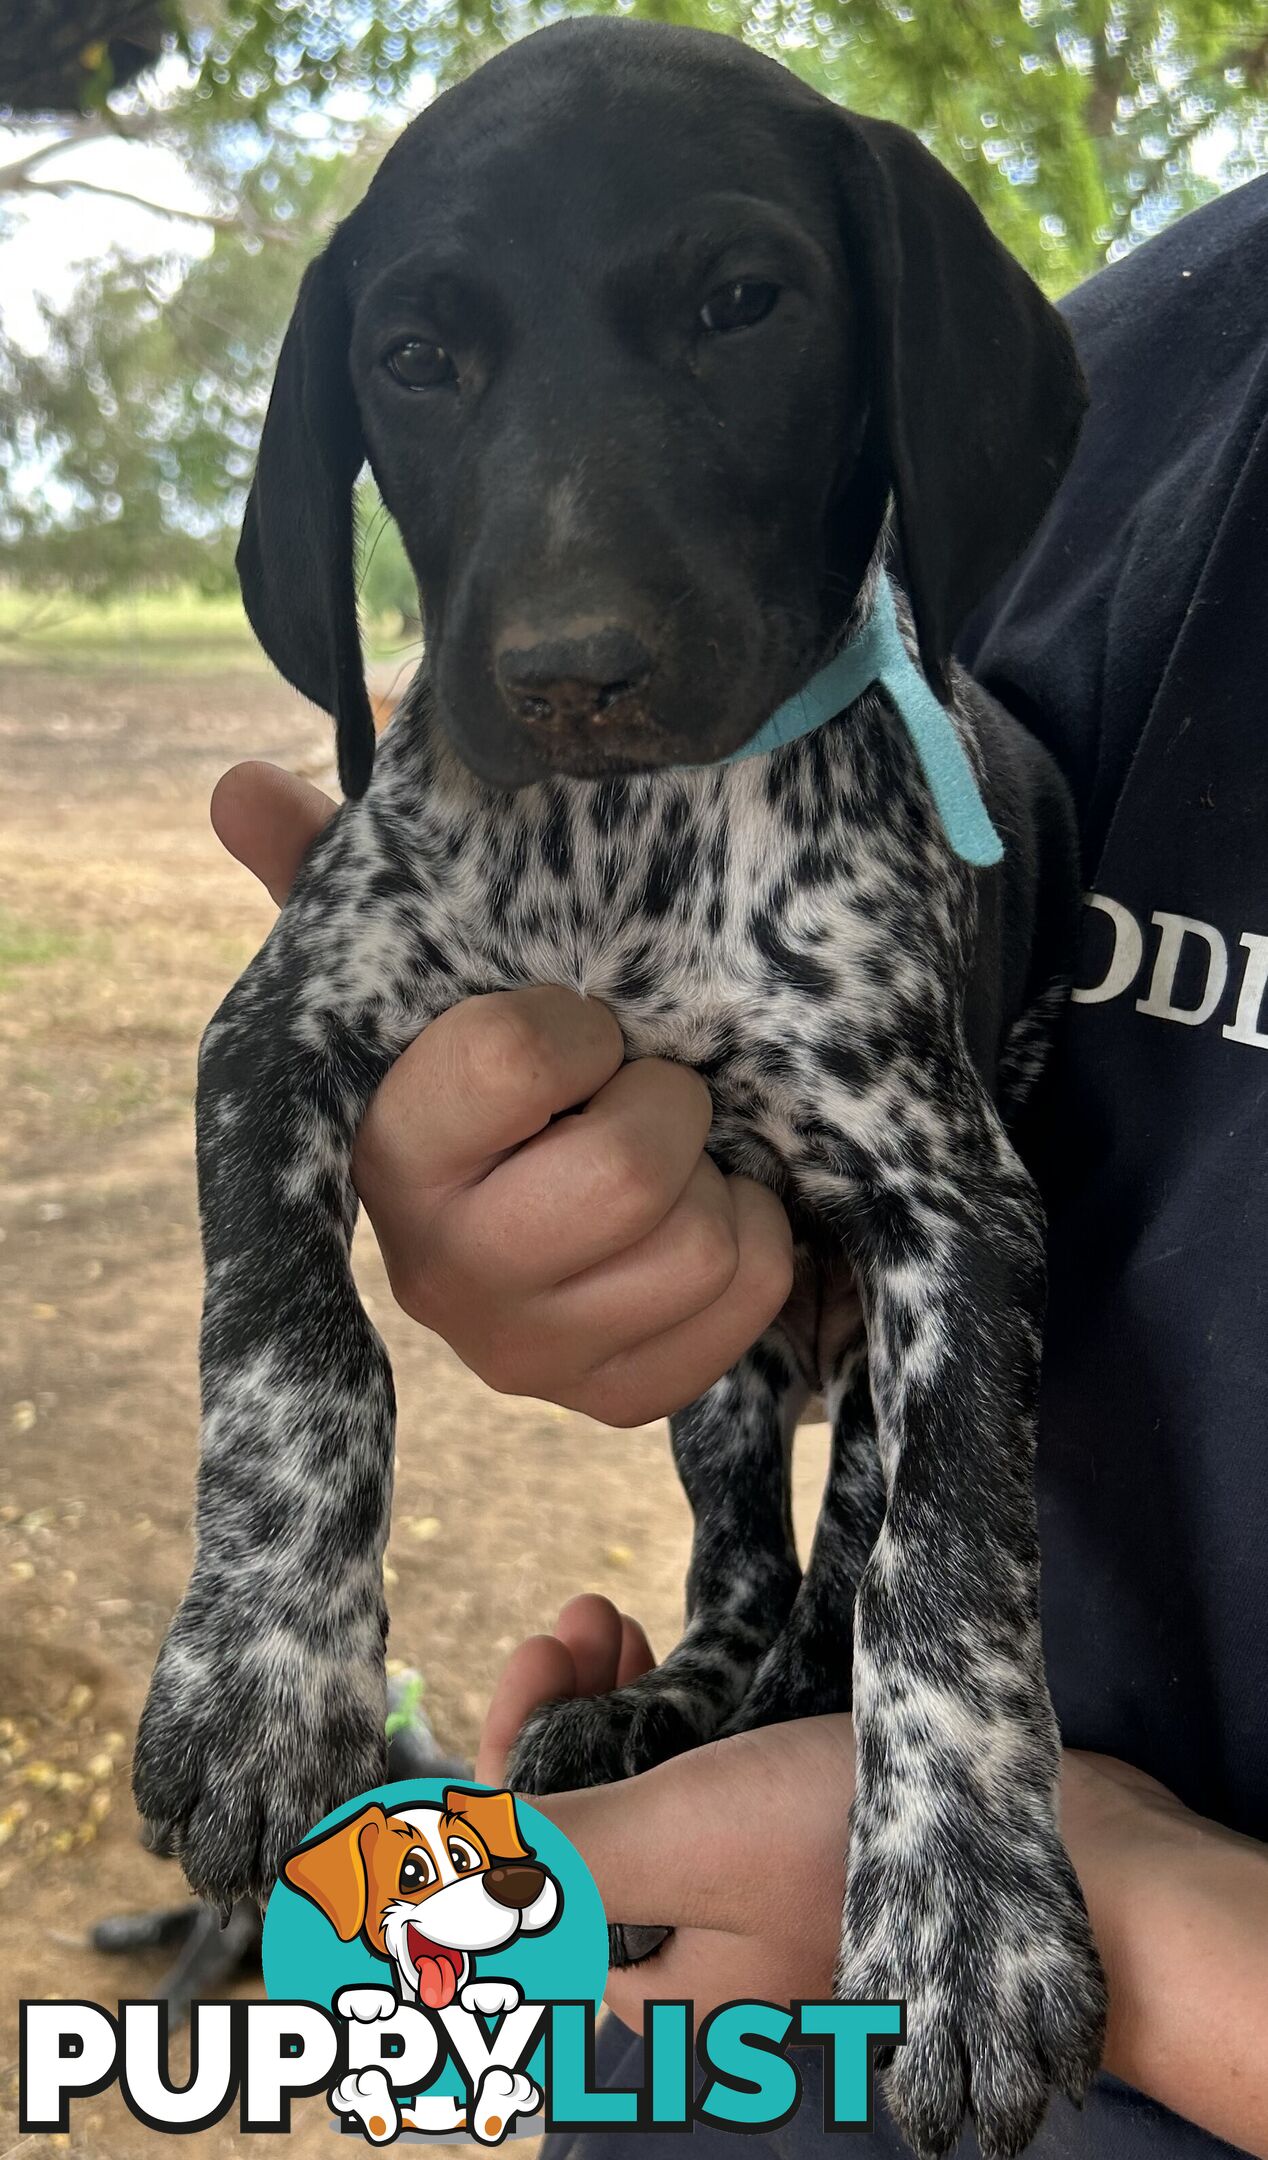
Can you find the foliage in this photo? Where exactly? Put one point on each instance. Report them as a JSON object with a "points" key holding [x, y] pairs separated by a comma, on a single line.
{"points": [[154, 629], [132, 429], [172, 629], [125, 445], [385, 581], [64, 55], [1071, 120], [408, 1706]]}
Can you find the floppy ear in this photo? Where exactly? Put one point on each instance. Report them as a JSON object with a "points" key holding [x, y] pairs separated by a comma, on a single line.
{"points": [[978, 391], [492, 1817], [333, 1871], [295, 557]]}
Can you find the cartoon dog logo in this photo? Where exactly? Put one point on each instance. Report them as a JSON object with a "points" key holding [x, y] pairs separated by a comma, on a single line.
{"points": [[430, 1888]]}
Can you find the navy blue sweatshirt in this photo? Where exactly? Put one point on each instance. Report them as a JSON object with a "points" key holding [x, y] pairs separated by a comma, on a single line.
{"points": [[1134, 640]]}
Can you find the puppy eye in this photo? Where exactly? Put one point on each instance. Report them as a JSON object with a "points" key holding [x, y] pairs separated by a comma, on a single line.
{"points": [[738, 306], [418, 1870], [419, 365], [464, 1856]]}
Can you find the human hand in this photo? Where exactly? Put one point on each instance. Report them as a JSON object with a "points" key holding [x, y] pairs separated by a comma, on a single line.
{"points": [[600, 1260], [691, 1844], [708, 1843]]}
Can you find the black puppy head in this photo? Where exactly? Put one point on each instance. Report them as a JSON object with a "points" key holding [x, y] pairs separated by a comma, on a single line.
{"points": [[639, 335]]}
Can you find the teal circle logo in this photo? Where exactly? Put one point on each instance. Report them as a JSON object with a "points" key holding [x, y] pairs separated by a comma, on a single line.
{"points": [[451, 1898]]}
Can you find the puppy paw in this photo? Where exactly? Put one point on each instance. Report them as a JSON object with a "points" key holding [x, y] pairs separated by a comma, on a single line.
{"points": [[599, 1739], [367, 2005], [367, 2098], [987, 1941], [501, 2097], [491, 1998], [247, 1739]]}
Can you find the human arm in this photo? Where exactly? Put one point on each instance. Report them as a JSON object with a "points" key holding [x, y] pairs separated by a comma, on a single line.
{"points": [[1179, 1905]]}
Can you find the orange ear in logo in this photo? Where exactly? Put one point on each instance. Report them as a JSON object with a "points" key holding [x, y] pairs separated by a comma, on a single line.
{"points": [[492, 1817], [332, 1871]]}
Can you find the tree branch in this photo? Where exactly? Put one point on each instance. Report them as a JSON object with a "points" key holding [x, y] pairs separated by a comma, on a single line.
{"points": [[62, 188], [14, 174], [211, 220], [1108, 81], [1111, 72], [75, 133]]}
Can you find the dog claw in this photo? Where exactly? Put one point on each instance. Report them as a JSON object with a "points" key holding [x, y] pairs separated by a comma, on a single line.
{"points": [[997, 2018], [236, 1759], [598, 1740]]}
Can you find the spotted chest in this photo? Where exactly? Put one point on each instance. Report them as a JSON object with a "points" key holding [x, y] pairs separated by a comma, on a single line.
{"points": [[759, 922]]}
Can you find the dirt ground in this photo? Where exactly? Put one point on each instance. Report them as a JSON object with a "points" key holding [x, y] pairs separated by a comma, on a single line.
{"points": [[121, 924]]}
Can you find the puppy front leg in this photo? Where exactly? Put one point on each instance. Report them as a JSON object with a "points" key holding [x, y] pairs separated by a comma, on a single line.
{"points": [[732, 1453], [267, 1704], [960, 1897]]}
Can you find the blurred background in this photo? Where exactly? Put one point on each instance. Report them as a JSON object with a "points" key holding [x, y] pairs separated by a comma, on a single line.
{"points": [[166, 169]]}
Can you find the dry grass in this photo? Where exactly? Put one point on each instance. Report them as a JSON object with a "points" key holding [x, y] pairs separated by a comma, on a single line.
{"points": [[121, 925]]}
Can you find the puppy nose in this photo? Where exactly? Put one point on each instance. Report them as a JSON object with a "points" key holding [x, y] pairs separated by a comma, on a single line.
{"points": [[514, 1886], [567, 679]]}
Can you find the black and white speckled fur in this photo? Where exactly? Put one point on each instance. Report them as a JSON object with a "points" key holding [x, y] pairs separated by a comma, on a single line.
{"points": [[797, 929], [869, 1014]]}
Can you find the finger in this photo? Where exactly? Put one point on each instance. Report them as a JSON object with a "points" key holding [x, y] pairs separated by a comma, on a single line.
{"points": [[593, 1184], [590, 1629], [637, 1655], [268, 819], [681, 1268], [675, 1368], [600, 1647], [538, 1671], [480, 1079]]}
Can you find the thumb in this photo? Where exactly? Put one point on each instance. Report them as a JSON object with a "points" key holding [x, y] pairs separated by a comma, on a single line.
{"points": [[268, 819]]}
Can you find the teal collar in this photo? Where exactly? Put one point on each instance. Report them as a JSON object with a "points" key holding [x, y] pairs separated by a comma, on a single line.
{"points": [[877, 654]]}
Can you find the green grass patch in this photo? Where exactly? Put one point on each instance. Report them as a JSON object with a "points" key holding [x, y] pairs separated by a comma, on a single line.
{"points": [[121, 1090], [27, 945], [142, 631], [408, 1708], [145, 632]]}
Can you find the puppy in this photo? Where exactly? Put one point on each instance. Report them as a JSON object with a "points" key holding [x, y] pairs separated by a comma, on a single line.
{"points": [[645, 341], [429, 1888]]}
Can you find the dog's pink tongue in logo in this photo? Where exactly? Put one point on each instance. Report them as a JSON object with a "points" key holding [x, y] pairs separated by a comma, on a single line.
{"points": [[439, 1969]]}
